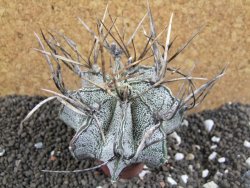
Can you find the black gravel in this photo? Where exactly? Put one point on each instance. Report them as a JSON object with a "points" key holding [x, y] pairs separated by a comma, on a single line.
{"points": [[22, 163]]}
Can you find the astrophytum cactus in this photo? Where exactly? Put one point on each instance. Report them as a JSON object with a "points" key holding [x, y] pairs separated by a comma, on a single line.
{"points": [[123, 114]]}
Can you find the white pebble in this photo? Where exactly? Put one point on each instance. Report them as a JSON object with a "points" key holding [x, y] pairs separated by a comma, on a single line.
{"points": [[215, 139], [145, 167], [196, 147], [212, 156], [222, 160], [218, 175], [246, 144], [143, 173], [185, 122], [184, 178], [171, 181], [205, 173], [190, 156], [99, 187], [179, 156], [52, 153], [210, 184], [213, 147], [2, 151], [190, 168], [38, 145], [248, 162], [176, 137], [208, 124], [226, 171]]}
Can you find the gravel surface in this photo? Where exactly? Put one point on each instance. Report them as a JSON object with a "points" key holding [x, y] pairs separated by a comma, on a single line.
{"points": [[24, 156]]}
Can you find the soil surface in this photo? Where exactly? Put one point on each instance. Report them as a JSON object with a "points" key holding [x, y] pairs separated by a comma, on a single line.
{"points": [[22, 162]]}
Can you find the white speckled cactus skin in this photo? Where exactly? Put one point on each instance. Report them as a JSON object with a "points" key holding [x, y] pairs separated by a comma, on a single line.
{"points": [[124, 114], [123, 124]]}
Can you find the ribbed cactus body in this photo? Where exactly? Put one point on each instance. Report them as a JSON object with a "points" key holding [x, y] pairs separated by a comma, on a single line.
{"points": [[123, 124]]}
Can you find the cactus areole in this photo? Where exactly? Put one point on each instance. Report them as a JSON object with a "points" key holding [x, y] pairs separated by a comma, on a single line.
{"points": [[121, 115]]}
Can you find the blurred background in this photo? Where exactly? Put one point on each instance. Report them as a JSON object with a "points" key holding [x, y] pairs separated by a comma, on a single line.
{"points": [[225, 39]]}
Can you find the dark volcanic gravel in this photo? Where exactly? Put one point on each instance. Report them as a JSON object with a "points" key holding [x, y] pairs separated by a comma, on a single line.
{"points": [[21, 164]]}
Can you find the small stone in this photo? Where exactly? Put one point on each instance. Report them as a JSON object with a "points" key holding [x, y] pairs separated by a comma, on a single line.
{"points": [[184, 178], [208, 124], [246, 179], [226, 171], [143, 173], [190, 157], [190, 168], [205, 173], [17, 164], [246, 144], [38, 145], [221, 159], [2, 151], [215, 139], [218, 175], [210, 184], [195, 146], [176, 137], [248, 162], [52, 158], [171, 181], [162, 184], [212, 156], [213, 147], [179, 156], [52, 153], [145, 167], [185, 122], [99, 186]]}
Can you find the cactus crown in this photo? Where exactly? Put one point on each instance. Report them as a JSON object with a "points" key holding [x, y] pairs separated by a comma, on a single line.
{"points": [[122, 115]]}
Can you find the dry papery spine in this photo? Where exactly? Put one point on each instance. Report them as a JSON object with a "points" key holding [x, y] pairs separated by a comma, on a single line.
{"points": [[87, 69]]}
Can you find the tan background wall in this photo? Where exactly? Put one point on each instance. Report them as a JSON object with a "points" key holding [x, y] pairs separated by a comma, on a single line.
{"points": [[225, 39]]}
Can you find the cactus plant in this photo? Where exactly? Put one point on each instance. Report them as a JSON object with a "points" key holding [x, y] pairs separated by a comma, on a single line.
{"points": [[124, 114]]}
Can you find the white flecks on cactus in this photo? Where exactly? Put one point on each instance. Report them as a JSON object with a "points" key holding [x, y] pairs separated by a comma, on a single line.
{"points": [[222, 160], [246, 144], [215, 139], [210, 184], [171, 181], [179, 156], [212, 156], [205, 173], [176, 137], [184, 178], [209, 123], [38, 145]]}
